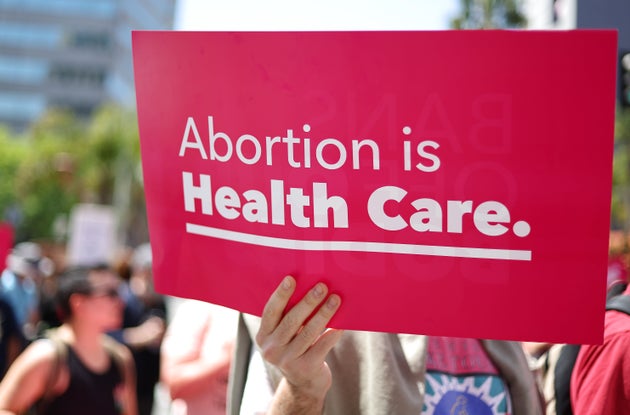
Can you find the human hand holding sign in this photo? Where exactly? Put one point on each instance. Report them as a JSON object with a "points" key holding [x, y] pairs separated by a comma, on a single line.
{"points": [[297, 342]]}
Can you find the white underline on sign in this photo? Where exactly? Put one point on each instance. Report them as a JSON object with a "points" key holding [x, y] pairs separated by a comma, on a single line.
{"points": [[355, 246]]}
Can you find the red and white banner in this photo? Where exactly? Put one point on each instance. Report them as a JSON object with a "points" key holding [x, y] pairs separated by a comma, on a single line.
{"points": [[447, 183]]}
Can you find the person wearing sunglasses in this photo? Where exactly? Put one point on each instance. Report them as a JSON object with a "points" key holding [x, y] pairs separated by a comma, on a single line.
{"points": [[77, 369]]}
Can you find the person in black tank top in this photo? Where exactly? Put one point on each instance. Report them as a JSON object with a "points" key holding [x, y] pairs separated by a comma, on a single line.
{"points": [[87, 389], [78, 369]]}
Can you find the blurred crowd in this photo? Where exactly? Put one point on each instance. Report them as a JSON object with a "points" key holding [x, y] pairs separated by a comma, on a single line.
{"points": [[187, 356], [182, 350]]}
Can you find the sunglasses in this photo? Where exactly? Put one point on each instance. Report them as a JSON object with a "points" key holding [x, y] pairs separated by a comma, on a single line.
{"points": [[111, 292]]}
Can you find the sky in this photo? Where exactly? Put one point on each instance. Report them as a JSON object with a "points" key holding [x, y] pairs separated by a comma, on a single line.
{"points": [[314, 14]]}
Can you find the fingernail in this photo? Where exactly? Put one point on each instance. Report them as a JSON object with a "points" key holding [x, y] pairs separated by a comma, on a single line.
{"points": [[333, 301], [286, 283], [318, 290]]}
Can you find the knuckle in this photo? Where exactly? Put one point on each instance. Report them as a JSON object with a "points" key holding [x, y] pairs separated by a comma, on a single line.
{"points": [[270, 353]]}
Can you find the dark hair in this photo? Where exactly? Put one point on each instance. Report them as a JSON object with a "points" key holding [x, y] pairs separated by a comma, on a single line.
{"points": [[74, 280]]}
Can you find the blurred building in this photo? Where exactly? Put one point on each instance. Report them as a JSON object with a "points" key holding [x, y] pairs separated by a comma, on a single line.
{"points": [[580, 14], [74, 54], [551, 14], [584, 14]]}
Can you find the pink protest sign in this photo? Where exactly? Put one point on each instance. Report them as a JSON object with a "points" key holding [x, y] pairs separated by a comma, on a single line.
{"points": [[446, 183], [6, 241]]}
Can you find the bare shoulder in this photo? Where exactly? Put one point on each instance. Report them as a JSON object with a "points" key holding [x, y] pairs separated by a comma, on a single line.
{"points": [[27, 377], [42, 352]]}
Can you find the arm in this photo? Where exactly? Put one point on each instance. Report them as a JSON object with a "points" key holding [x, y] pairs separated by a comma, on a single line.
{"points": [[536, 349], [131, 402], [147, 334], [127, 395], [192, 367], [297, 344], [25, 382], [191, 378]]}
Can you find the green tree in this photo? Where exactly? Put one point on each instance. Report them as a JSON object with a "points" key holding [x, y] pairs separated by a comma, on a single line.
{"points": [[489, 14], [111, 169], [62, 160], [620, 213], [42, 186], [11, 156], [111, 153]]}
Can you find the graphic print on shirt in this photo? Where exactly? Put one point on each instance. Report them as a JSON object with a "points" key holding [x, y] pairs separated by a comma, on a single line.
{"points": [[462, 380]]}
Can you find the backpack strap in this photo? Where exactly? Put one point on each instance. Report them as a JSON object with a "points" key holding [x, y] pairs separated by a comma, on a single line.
{"points": [[61, 354], [112, 347], [619, 303], [239, 367], [562, 378]]}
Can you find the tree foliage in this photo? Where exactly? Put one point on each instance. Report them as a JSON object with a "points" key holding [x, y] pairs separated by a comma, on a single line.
{"points": [[489, 14], [62, 160], [621, 172]]}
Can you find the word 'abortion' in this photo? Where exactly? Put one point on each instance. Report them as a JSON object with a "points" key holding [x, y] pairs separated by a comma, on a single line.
{"points": [[329, 153], [491, 218]]}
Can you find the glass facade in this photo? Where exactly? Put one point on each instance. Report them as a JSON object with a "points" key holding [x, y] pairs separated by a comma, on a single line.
{"points": [[74, 54], [27, 35], [105, 9], [23, 107], [23, 70]]}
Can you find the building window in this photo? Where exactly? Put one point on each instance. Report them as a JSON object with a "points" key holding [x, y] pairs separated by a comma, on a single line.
{"points": [[81, 109], [78, 76], [89, 40]]}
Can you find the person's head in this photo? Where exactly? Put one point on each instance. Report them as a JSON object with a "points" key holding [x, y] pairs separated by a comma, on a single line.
{"points": [[141, 281], [92, 294], [142, 260], [27, 261]]}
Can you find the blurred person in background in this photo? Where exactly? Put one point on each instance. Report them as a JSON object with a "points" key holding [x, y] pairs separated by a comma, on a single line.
{"points": [[600, 377], [554, 363], [25, 269], [78, 369], [144, 322], [618, 251], [196, 357], [11, 338]]}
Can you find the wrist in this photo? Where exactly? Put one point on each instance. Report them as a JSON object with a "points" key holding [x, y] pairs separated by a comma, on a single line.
{"points": [[303, 399]]}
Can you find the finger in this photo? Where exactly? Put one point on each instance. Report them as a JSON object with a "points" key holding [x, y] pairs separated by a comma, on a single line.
{"points": [[274, 309], [324, 344], [294, 321], [311, 332]]}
